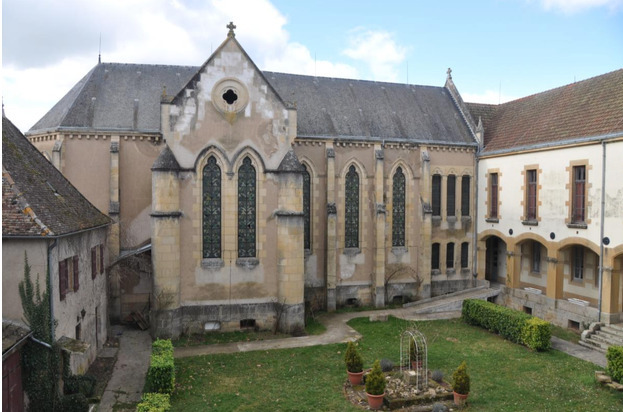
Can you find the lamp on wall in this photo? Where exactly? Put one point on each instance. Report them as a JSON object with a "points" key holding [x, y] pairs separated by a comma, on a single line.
{"points": [[552, 235]]}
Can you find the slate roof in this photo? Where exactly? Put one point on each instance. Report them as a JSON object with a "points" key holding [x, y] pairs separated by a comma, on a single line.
{"points": [[105, 99], [592, 107], [326, 107], [37, 200], [13, 333]]}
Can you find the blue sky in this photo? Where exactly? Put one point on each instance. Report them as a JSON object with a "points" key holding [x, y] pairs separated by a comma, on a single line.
{"points": [[498, 50]]}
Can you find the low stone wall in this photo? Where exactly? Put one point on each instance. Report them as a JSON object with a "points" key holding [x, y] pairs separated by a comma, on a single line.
{"points": [[233, 317]]}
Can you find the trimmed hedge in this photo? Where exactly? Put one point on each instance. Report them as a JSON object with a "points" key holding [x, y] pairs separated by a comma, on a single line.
{"points": [[161, 372], [154, 402], [615, 363], [516, 326]]}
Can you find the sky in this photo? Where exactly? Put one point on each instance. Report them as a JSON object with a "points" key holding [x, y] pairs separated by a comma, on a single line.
{"points": [[499, 50]]}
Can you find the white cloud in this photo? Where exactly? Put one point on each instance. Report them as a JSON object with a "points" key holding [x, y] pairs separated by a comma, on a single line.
{"points": [[574, 6], [378, 50], [46, 50], [489, 97]]}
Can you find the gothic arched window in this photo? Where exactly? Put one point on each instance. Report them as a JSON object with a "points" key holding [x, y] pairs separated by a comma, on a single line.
{"points": [[351, 218], [246, 209], [211, 209], [398, 209], [307, 207]]}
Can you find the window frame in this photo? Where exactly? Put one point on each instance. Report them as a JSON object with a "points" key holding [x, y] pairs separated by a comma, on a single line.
{"points": [[494, 189], [352, 191], [436, 194], [399, 195], [212, 209], [247, 209], [451, 195], [531, 209], [578, 194]]}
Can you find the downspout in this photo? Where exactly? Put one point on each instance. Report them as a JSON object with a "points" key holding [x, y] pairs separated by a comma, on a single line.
{"points": [[475, 243], [51, 289], [601, 229]]}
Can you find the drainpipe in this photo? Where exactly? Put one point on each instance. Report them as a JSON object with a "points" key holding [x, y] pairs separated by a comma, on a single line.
{"points": [[51, 289], [475, 242], [601, 229]]}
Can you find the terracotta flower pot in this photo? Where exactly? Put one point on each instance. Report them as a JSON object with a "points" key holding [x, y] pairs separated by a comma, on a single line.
{"points": [[460, 399], [375, 401], [355, 377]]}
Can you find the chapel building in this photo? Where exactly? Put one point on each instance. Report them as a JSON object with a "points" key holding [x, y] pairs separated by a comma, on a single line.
{"points": [[240, 197]]}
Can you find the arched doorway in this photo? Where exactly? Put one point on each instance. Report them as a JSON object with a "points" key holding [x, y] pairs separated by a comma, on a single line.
{"points": [[495, 260]]}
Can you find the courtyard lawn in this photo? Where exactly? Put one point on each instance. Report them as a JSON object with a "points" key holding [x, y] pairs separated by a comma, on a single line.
{"points": [[505, 376]]}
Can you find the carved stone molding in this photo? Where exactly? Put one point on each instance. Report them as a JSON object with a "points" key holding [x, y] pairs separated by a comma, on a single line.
{"points": [[331, 209]]}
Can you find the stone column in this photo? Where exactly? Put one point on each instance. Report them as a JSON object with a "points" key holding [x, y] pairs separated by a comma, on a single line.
{"points": [[610, 290], [290, 244], [114, 305], [165, 237], [426, 232], [331, 231], [513, 267], [555, 275], [381, 217]]}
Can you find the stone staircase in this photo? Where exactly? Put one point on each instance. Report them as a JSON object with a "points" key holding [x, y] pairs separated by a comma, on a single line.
{"points": [[451, 301], [600, 336]]}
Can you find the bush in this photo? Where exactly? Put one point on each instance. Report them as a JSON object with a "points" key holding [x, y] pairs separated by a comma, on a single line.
{"points": [[460, 379], [437, 376], [352, 358], [387, 365], [516, 326], [537, 334], [615, 363], [154, 402], [84, 384], [76, 402], [375, 380], [161, 372]]}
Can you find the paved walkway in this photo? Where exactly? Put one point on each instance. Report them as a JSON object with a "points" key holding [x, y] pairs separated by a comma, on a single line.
{"points": [[125, 387]]}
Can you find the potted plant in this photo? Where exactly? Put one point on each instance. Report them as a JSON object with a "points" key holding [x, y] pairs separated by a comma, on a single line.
{"points": [[375, 386], [354, 364], [413, 356], [460, 384]]}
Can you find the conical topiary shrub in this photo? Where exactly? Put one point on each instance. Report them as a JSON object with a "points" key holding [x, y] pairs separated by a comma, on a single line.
{"points": [[354, 364], [375, 386], [460, 384]]}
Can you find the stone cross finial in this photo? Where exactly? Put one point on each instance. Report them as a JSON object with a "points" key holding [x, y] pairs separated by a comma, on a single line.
{"points": [[449, 73], [231, 26]]}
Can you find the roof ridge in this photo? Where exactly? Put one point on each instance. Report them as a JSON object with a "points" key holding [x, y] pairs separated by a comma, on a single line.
{"points": [[78, 94], [268, 72]]}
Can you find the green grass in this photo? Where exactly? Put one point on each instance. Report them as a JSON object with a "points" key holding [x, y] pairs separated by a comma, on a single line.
{"points": [[504, 376], [566, 334], [313, 327]]}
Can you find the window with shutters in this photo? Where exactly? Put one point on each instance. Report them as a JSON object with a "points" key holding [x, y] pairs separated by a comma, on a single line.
{"points": [[436, 195], [464, 255], [97, 260], [531, 194], [398, 209], [246, 209], [578, 213], [307, 208], [69, 276], [351, 209], [450, 255], [465, 197], [211, 209], [434, 259], [493, 195], [451, 196]]}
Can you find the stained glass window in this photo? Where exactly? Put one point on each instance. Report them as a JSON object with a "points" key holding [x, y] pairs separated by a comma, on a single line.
{"points": [[211, 209], [246, 209], [352, 209], [307, 207], [398, 209]]}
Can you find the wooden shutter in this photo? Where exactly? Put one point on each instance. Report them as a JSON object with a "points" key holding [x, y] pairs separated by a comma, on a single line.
{"points": [[94, 262], [76, 274], [62, 279], [101, 258]]}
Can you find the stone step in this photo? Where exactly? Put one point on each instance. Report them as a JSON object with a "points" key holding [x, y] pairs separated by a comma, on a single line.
{"points": [[616, 326], [592, 345], [615, 333], [605, 338]]}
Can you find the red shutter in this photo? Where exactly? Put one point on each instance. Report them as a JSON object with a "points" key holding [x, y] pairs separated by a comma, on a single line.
{"points": [[102, 258], [62, 278], [93, 262], [76, 275]]}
